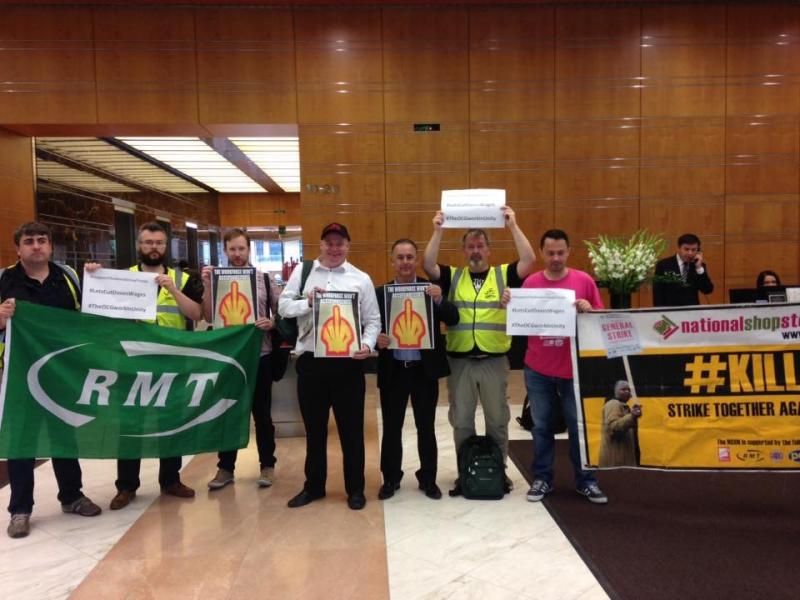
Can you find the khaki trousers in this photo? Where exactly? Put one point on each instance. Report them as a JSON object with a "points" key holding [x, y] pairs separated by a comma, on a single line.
{"points": [[471, 380]]}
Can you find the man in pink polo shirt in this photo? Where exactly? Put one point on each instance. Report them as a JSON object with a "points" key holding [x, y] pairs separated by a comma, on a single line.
{"points": [[548, 372]]}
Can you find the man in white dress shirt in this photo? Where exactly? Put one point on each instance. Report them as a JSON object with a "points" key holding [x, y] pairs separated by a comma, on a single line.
{"points": [[337, 383]]}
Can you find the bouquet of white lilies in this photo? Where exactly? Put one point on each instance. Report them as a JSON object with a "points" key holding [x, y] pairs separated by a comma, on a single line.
{"points": [[622, 266]]}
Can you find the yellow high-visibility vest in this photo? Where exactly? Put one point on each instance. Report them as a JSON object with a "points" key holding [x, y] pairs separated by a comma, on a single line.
{"points": [[168, 312], [482, 320]]}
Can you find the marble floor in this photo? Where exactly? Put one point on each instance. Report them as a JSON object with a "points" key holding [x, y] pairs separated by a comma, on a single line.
{"points": [[242, 541]]}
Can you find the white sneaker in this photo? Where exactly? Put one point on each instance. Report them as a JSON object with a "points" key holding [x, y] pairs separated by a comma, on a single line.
{"points": [[19, 526], [266, 477], [221, 479]]}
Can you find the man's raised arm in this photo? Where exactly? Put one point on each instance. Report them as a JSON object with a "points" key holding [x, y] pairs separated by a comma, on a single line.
{"points": [[527, 258], [432, 249]]}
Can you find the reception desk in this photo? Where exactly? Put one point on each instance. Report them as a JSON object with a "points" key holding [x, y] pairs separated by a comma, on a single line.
{"points": [[285, 408]]}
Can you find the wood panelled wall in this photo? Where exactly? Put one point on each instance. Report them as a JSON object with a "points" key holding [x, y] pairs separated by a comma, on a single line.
{"points": [[241, 210], [596, 119], [16, 190]]}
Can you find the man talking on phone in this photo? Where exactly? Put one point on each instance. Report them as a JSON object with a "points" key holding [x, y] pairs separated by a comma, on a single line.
{"points": [[690, 275]]}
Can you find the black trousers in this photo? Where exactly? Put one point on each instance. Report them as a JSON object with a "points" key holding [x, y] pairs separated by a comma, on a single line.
{"points": [[424, 393], [324, 384], [20, 477], [128, 473], [262, 418]]}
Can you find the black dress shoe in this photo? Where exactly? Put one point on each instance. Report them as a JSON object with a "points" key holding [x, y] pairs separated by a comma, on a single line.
{"points": [[303, 498], [456, 491], [387, 490], [356, 501], [431, 490]]}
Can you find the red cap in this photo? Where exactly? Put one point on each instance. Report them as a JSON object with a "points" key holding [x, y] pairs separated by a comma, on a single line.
{"points": [[335, 228]]}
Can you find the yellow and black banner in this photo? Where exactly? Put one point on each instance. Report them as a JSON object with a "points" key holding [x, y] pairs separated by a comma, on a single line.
{"points": [[714, 388]]}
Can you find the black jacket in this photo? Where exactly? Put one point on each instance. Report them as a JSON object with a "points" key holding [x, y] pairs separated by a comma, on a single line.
{"points": [[434, 362], [678, 294], [54, 291]]}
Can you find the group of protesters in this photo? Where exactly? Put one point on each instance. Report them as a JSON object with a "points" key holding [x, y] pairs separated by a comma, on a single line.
{"points": [[470, 300]]}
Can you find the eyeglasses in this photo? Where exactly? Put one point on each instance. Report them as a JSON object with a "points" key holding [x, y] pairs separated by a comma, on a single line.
{"points": [[155, 243]]}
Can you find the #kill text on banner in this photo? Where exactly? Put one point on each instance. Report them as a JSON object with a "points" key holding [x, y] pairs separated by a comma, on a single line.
{"points": [[85, 386], [718, 387]]}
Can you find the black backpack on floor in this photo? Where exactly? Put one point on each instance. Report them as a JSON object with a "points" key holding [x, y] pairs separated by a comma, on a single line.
{"points": [[481, 470], [524, 419]]}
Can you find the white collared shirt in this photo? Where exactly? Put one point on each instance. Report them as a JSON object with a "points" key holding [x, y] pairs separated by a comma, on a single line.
{"points": [[344, 278], [274, 293], [699, 271]]}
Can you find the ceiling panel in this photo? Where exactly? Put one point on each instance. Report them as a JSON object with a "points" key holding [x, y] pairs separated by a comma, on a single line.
{"points": [[58, 173], [278, 157], [102, 155], [196, 159]]}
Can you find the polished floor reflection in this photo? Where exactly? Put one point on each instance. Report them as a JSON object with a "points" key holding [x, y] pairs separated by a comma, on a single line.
{"points": [[243, 542]]}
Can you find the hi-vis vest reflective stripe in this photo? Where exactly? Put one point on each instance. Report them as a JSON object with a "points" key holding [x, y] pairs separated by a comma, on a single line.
{"points": [[70, 276], [73, 283], [168, 312], [482, 320]]}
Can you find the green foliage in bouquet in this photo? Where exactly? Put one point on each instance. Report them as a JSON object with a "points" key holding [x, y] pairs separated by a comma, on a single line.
{"points": [[623, 265]]}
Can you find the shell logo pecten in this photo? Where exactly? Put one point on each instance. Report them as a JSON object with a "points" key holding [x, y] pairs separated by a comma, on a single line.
{"points": [[409, 326], [337, 334], [235, 307]]}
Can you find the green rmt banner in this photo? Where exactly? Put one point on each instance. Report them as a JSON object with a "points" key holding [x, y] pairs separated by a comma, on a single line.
{"points": [[84, 386]]}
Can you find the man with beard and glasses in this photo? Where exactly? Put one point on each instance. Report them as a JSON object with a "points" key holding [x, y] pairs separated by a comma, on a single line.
{"points": [[236, 243], [179, 298], [35, 278], [477, 345]]}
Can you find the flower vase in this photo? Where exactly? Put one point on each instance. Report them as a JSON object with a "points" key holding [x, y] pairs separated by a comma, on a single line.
{"points": [[621, 300]]}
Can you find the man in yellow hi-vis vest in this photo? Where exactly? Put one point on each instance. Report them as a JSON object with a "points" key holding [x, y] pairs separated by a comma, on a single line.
{"points": [[477, 346], [180, 297]]}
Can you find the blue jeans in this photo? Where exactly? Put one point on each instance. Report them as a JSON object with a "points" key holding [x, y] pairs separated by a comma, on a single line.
{"points": [[543, 393]]}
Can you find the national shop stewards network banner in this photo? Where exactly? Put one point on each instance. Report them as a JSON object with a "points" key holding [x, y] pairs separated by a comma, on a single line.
{"points": [[78, 385], [718, 387]]}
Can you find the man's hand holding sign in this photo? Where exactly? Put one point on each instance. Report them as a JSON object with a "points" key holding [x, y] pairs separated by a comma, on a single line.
{"points": [[481, 208], [120, 293], [548, 312]]}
